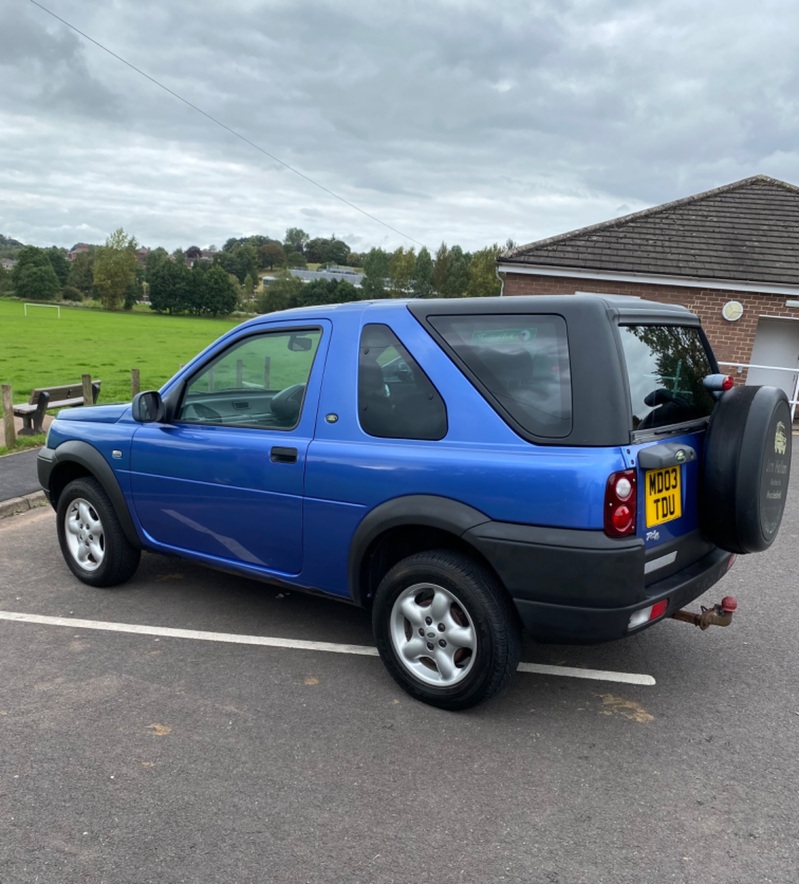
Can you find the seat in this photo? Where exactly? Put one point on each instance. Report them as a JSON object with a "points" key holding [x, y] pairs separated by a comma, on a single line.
{"points": [[375, 409]]}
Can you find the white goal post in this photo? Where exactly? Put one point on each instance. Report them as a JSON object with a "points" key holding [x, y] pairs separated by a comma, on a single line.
{"points": [[51, 306]]}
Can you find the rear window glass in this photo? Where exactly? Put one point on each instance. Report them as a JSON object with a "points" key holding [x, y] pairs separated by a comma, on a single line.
{"points": [[665, 367], [519, 362]]}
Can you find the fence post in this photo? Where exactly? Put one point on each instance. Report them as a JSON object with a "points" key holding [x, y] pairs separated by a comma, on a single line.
{"points": [[8, 416], [87, 389], [135, 382]]}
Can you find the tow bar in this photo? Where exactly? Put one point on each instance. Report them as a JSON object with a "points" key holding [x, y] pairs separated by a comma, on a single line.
{"points": [[718, 615]]}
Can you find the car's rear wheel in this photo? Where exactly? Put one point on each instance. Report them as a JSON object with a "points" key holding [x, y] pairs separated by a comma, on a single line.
{"points": [[445, 629], [92, 541]]}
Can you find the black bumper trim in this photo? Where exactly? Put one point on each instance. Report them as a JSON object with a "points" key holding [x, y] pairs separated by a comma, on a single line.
{"points": [[571, 624]]}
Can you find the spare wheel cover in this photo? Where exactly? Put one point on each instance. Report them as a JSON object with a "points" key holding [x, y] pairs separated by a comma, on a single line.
{"points": [[746, 468]]}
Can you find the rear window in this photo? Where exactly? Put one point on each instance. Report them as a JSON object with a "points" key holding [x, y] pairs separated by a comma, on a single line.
{"points": [[665, 367], [519, 362]]}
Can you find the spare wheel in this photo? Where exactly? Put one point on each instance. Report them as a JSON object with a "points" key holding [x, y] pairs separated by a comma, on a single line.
{"points": [[746, 468]]}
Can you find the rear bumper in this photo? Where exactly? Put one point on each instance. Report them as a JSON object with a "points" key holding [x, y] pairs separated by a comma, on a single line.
{"points": [[581, 587], [583, 625]]}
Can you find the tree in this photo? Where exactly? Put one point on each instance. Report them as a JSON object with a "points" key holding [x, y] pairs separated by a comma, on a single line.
{"points": [[115, 269], [170, 287], [81, 273], [282, 293], [483, 281], [154, 260], [326, 291], [217, 291], [376, 272], [457, 274], [441, 268], [327, 251], [315, 250], [295, 240], [401, 267], [295, 259], [422, 281], [58, 258], [240, 258], [336, 252], [271, 253], [34, 277]]}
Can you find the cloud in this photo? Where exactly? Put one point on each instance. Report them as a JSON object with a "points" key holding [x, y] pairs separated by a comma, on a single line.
{"points": [[460, 120]]}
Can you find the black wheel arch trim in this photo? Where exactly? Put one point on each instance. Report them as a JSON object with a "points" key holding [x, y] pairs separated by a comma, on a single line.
{"points": [[425, 510], [89, 458]]}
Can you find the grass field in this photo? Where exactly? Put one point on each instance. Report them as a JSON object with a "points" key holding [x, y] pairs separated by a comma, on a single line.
{"points": [[41, 349]]}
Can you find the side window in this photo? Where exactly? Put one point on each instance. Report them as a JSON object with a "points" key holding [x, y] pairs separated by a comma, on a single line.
{"points": [[258, 382], [396, 399], [519, 362]]}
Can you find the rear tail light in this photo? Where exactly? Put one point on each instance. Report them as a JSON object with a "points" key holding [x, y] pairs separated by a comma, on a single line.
{"points": [[620, 504]]}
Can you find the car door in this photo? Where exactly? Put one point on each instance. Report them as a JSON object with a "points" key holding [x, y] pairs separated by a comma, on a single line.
{"points": [[223, 479]]}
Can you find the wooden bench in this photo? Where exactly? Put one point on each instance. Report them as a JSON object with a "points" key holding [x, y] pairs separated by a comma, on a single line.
{"points": [[44, 398]]}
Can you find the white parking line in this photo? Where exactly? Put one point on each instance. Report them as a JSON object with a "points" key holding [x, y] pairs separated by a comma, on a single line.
{"points": [[296, 644], [593, 674]]}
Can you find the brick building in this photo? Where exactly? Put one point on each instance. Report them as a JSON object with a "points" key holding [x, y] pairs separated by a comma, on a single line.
{"points": [[730, 254]]}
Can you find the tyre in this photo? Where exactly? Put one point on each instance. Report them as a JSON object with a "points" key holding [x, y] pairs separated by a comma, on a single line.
{"points": [[445, 629], [746, 469], [91, 539]]}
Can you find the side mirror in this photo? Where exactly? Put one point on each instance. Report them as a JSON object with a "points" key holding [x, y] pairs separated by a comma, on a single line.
{"points": [[148, 407]]}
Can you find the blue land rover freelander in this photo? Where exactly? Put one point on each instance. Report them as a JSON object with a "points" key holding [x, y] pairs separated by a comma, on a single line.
{"points": [[574, 466]]}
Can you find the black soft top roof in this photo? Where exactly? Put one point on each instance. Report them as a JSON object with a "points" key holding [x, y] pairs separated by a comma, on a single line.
{"points": [[601, 408], [625, 307]]}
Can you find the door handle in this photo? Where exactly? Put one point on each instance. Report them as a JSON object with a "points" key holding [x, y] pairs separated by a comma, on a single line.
{"points": [[283, 455]]}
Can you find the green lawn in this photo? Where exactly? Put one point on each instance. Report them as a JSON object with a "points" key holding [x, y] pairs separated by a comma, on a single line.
{"points": [[41, 349]]}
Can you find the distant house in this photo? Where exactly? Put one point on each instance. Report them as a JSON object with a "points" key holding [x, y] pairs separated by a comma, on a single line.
{"points": [[77, 249], [195, 255], [339, 273], [8, 263], [730, 254]]}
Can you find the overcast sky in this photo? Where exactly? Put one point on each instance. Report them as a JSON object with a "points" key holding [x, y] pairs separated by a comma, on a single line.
{"points": [[464, 121]]}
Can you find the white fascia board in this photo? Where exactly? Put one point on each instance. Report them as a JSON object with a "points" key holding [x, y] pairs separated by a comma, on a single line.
{"points": [[679, 281]]}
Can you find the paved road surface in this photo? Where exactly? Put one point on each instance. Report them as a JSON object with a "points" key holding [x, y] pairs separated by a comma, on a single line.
{"points": [[18, 474], [129, 758]]}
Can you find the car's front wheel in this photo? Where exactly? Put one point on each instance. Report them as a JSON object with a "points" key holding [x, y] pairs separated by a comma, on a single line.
{"points": [[445, 629], [92, 541]]}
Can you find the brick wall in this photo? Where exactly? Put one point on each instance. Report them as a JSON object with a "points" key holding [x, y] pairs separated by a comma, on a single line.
{"points": [[731, 341]]}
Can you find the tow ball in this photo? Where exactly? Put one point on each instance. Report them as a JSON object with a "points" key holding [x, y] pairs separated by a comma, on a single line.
{"points": [[718, 615]]}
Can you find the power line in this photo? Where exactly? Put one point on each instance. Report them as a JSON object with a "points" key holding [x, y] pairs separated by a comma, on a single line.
{"points": [[224, 126]]}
